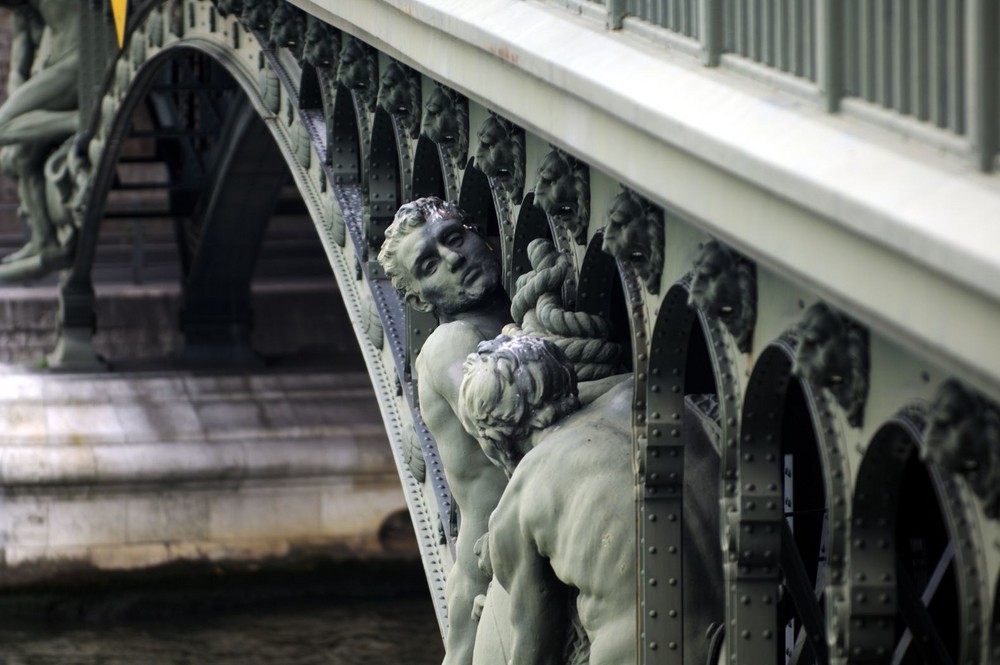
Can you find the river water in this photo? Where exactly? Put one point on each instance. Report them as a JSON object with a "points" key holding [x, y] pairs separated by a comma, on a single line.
{"points": [[344, 614]]}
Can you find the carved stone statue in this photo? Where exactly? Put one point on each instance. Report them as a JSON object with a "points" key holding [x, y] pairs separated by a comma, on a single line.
{"points": [[446, 122], [322, 46], [562, 539], [724, 286], [833, 353], [399, 95], [41, 111], [963, 437], [439, 264], [500, 155], [634, 235], [358, 70], [563, 192], [288, 29]]}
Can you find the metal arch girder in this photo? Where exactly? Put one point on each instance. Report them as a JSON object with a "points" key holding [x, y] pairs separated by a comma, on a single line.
{"points": [[475, 198], [383, 190], [348, 138], [530, 225], [760, 518], [597, 270], [871, 625]]}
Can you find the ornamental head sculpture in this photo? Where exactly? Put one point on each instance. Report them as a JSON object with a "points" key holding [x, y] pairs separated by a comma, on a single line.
{"points": [[963, 438], [832, 353], [500, 154], [513, 387], [724, 287], [446, 122], [288, 29], [358, 70], [562, 190], [399, 95], [634, 235], [322, 45], [436, 261], [257, 14]]}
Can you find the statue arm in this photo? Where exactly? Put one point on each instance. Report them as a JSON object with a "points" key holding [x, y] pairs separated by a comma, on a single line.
{"points": [[39, 126], [23, 47]]}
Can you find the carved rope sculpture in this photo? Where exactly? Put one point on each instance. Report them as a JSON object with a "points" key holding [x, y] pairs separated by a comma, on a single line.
{"points": [[832, 353], [634, 236], [724, 287], [537, 309]]}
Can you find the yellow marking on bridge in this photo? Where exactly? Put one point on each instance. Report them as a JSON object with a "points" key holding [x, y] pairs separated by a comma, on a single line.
{"points": [[120, 9]]}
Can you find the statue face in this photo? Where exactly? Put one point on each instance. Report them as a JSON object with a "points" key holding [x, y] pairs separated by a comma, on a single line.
{"points": [[625, 236], [440, 121], [819, 356], [556, 190], [452, 268], [498, 155], [354, 64], [320, 46], [713, 288]]}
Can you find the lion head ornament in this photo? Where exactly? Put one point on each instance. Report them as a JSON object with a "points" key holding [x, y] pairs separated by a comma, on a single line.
{"points": [[832, 353], [288, 29], [358, 70], [963, 437], [322, 45], [256, 15], [227, 7], [633, 235], [399, 95], [562, 190], [446, 122], [724, 287], [500, 155]]}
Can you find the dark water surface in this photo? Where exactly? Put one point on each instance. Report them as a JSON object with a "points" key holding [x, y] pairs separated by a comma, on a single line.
{"points": [[346, 632]]}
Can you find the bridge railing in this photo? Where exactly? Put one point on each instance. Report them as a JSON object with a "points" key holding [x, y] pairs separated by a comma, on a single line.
{"points": [[922, 68]]}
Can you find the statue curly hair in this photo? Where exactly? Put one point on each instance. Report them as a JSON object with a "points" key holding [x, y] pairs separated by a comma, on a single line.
{"points": [[513, 387]]}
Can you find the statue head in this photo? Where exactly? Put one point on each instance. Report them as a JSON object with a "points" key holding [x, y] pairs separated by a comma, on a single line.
{"points": [[399, 95], [256, 15], [288, 27], [322, 44], [832, 353], [963, 438], [446, 122], [634, 235], [500, 154], [724, 287], [563, 192], [437, 262], [512, 388]]}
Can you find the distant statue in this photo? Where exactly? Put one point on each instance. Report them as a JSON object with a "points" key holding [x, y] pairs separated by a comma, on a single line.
{"points": [[634, 235], [288, 29], [562, 539], [440, 265], [358, 70], [322, 46], [399, 95], [41, 111]]}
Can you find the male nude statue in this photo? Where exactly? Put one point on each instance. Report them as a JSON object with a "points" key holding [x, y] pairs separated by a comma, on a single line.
{"points": [[42, 110], [562, 539], [441, 265]]}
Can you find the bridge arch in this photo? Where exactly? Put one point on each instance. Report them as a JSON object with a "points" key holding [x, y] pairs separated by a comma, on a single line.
{"points": [[913, 556], [789, 527]]}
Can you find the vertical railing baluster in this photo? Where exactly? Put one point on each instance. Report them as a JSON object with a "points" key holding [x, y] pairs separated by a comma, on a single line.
{"points": [[918, 60], [901, 55], [753, 29], [851, 84], [981, 80], [938, 83], [739, 27], [711, 17], [780, 35], [829, 31], [795, 33], [809, 45], [956, 72], [616, 12], [883, 57], [865, 52]]}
